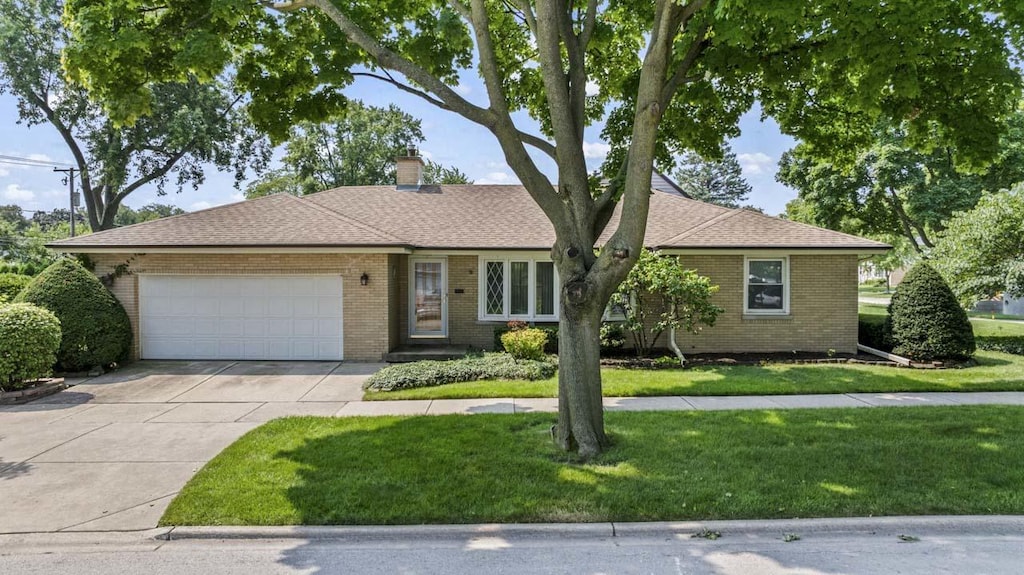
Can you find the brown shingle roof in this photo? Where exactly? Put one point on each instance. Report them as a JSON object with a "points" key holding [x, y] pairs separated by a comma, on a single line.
{"points": [[448, 217]]}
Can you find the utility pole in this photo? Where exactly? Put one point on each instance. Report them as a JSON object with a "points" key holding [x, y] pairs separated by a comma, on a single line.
{"points": [[69, 179]]}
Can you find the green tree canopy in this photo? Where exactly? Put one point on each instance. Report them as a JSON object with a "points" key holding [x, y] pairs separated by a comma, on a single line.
{"points": [[981, 247], [665, 77], [190, 123], [716, 180], [894, 189], [356, 149], [126, 216]]}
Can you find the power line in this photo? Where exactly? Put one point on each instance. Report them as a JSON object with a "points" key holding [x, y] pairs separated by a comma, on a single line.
{"points": [[30, 162]]}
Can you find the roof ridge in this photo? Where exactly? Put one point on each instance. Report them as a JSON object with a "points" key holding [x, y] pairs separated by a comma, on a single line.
{"points": [[813, 227], [704, 225], [313, 204]]}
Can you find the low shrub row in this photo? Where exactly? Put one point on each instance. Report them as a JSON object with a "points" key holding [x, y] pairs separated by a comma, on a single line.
{"points": [[1011, 344], [431, 373], [873, 333], [20, 269]]}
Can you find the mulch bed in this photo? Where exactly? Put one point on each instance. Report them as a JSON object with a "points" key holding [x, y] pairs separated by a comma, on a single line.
{"points": [[796, 357], [700, 359]]}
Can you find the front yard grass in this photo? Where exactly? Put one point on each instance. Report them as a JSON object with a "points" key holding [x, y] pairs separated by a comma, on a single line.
{"points": [[662, 466], [995, 372]]}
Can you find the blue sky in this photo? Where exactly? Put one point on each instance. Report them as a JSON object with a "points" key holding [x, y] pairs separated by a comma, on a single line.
{"points": [[449, 140]]}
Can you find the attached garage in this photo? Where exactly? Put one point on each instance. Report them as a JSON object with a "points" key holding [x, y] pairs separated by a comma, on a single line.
{"points": [[294, 317]]}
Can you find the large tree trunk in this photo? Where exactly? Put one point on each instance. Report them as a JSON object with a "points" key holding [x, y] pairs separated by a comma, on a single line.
{"points": [[580, 409]]}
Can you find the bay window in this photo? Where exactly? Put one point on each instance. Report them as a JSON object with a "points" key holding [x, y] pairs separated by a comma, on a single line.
{"points": [[517, 287]]}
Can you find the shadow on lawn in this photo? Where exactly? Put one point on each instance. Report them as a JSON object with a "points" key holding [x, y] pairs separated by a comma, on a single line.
{"points": [[663, 467]]}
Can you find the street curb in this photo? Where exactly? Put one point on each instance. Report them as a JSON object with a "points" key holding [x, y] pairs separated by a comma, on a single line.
{"points": [[372, 532], [667, 529]]}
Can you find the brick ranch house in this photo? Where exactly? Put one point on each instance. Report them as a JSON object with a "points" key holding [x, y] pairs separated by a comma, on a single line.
{"points": [[356, 272]]}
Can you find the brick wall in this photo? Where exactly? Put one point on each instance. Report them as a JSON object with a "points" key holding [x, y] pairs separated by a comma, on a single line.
{"points": [[463, 325], [367, 318], [823, 308], [823, 300]]}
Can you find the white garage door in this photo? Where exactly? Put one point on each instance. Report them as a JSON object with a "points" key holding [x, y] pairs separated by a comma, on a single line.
{"points": [[225, 317]]}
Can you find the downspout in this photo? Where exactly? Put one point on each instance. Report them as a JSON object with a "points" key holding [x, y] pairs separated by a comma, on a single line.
{"points": [[672, 340]]}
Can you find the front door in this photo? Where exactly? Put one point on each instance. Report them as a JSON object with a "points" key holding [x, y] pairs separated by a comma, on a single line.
{"points": [[428, 306]]}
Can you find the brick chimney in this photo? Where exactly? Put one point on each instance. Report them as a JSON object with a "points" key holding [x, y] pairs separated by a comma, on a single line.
{"points": [[409, 169]]}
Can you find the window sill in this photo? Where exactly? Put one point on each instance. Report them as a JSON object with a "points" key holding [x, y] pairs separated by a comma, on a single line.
{"points": [[766, 316], [549, 319]]}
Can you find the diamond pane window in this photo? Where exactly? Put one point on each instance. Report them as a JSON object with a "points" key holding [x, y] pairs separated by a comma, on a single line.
{"points": [[495, 300]]}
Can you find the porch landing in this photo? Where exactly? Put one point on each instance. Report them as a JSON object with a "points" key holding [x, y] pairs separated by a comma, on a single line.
{"points": [[410, 353]]}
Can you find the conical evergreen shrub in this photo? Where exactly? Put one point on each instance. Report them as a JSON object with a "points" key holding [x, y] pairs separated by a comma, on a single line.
{"points": [[925, 321]]}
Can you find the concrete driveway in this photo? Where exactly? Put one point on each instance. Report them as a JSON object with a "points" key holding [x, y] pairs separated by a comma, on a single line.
{"points": [[111, 452]]}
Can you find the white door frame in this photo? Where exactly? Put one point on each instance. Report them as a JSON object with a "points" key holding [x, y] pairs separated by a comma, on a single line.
{"points": [[413, 333]]}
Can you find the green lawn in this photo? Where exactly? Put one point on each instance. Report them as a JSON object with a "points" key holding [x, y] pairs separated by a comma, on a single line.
{"points": [[874, 291], [995, 372], [663, 466]]}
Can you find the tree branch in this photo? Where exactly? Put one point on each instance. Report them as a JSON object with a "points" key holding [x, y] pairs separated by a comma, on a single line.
{"points": [[680, 74], [392, 60]]}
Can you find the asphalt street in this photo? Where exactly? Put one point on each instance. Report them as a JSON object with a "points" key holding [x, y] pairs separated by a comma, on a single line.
{"points": [[975, 550]]}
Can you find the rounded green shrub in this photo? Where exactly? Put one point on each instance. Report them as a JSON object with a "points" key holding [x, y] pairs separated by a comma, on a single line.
{"points": [[95, 328], [525, 343], [29, 340], [925, 320], [11, 285]]}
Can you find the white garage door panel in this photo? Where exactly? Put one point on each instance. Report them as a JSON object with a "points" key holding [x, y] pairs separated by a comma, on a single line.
{"points": [[224, 317]]}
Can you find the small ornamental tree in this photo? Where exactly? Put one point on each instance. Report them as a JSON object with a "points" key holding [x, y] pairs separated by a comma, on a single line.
{"points": [[925, 321], [660, 294], [95, 328]]}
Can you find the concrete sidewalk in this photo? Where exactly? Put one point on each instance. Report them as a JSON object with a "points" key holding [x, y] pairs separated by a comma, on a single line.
{"points": [[110, 453]]}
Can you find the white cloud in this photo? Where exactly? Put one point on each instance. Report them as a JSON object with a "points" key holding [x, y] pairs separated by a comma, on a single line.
{"points": [[16, 193], [756, 163], [238, 197], [426, 155], [4, 172], [595, 150], [40, 157], [592, 88], [495, 178], [200, 206], [463, 89]]}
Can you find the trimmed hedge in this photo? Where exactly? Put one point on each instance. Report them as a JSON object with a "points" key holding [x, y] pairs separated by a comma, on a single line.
{"points": [[874, 334], [96, 330], [11, 285], [1012, 344], [432, 373], [925, 320], [31, 337]]}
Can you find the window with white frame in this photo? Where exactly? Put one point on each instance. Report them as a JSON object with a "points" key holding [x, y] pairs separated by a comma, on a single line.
{"points": [[518, 288], [766, 290]]}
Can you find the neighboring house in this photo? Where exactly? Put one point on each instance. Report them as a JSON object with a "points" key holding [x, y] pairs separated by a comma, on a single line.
{"points": [[355, 272]]}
